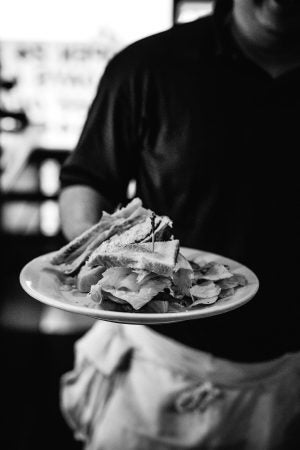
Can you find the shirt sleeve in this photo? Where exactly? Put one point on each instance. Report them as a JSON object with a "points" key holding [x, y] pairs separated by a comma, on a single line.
{"points": [[105, 157]]}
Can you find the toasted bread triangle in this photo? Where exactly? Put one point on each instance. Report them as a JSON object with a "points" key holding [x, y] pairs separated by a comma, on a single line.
{"points": [[141, 256]]}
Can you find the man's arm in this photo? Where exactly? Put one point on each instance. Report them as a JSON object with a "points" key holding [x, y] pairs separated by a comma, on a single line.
{"points": [[80, 208]]}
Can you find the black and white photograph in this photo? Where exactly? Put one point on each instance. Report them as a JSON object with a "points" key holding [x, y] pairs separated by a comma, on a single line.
{"points": [[149, 224]]}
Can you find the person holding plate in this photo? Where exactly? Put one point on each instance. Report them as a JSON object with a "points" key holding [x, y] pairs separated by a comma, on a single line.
{"points": [[204, 118]]}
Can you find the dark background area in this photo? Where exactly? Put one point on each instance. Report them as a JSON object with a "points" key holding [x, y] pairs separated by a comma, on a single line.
{"points": [[32, 362]]}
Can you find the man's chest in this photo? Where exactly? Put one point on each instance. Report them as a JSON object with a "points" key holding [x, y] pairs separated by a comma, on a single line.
{"points": [[219, 121]]}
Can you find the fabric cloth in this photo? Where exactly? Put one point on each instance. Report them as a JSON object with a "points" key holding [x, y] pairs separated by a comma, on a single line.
{"points": [[212, 141], [132, 388]]}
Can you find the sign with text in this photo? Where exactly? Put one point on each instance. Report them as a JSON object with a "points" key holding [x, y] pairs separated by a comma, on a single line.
{"points": [[55, 82]]}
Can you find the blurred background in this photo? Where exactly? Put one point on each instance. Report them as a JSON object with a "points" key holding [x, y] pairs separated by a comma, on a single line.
{"points": [[52, 55]]}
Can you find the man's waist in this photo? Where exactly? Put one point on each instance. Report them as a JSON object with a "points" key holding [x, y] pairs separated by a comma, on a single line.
{"points": [[236, 341]]}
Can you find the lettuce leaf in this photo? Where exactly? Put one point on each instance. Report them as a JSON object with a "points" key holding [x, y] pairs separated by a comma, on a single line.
{"points": [[122, 284]]}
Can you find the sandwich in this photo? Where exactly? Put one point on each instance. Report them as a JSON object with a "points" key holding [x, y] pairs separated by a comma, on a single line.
{"points": [[136, 276], [131, 223], [130, 261]]}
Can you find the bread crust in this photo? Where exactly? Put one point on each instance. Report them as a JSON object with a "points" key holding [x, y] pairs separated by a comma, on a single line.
{"points": [[140, 256]]}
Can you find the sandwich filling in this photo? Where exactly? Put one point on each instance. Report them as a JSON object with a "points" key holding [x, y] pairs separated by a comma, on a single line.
{"points": [[139, 275]]}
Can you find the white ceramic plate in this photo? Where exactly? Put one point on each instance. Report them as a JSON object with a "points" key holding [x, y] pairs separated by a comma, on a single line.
{"points": [[45, 283]]}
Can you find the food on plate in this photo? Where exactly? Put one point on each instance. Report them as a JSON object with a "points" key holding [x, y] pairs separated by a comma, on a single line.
{"points": [[136, 276], [130, 261], [213, 281], [133, 218], [88, 276]]}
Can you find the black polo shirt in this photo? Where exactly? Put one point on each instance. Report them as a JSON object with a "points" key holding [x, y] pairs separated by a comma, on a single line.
{"points": [[212, 141]]}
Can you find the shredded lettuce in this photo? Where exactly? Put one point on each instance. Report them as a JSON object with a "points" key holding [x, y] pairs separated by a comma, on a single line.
{"points": [[129, 286], [182, 277]]}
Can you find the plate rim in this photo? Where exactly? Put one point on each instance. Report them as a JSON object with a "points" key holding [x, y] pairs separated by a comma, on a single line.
{"points": [[143, 318]]}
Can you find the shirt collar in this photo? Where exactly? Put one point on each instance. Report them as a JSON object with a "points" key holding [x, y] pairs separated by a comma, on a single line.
{"points": [[225, 45]]}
